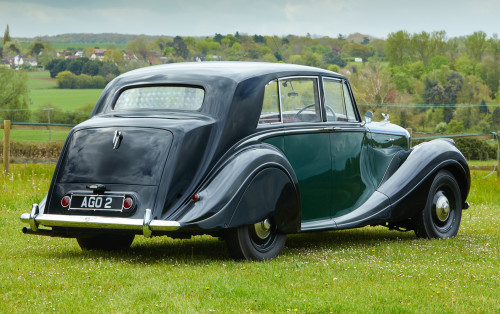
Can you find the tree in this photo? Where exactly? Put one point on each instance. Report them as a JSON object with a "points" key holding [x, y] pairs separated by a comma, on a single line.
{"points": [[397, 47], [113, 56], [437, 62], [180, 47], [6, 35], [55, 66], [139, 47], [333, 57], [11, 48], [475, 45], [374, 84], [489, 71], [66, 79], [357, 50], [495, 119], [208, 45], [259, 39], [13, 95], [35, 48], [438, 42], [464, 65], [421, 47], [76, 65], [218, 37], [433, 92]]}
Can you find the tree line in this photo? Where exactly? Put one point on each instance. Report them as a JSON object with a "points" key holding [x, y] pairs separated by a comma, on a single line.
{"points": [[401, 70]]}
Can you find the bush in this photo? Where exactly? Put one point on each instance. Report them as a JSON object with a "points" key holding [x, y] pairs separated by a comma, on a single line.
{"points": [[441, 127], [66, 79], [472, 149], [31, 150], [476, 149], [64, 117], [455, 126]]}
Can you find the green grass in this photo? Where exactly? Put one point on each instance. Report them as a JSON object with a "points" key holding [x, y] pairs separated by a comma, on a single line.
{"points": [[363, 270], [41, 84], [39, 75], [65, 99], [40, 80], [491, 162], [36, 136], [44, 93]]}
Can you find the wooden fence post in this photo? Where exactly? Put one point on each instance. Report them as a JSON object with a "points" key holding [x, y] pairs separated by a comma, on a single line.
{"points": [[6, 145]]}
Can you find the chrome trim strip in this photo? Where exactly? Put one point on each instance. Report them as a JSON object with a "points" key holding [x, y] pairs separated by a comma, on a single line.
{"points": [[77, 221]]}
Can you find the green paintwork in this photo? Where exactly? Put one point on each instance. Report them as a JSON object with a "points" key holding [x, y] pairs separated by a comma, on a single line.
{"points": [[382, 148], [337, 170], [310, 157], [351, 184]]}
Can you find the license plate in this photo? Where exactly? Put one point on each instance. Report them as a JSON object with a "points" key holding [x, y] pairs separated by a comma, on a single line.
{"points": [[97, 202]]}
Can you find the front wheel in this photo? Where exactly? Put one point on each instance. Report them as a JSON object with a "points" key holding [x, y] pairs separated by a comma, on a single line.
{"points": [[443, 211], [260, 241], [105, 242]]}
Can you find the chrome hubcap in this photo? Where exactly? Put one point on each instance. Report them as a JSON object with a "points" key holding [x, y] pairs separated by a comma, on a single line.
{"points": [[442, 208], [263, 229]]}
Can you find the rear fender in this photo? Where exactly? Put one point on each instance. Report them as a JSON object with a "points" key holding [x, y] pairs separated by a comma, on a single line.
{"points": [[255, 183]]}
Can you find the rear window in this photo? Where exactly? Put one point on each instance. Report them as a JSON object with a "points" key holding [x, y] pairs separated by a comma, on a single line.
{"points": [[161, 97]]}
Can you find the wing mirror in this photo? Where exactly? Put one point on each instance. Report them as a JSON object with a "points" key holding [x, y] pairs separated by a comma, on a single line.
{"points": [[368, 116]]}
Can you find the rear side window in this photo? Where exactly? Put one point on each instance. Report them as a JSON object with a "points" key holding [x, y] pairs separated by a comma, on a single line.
{"points": [[270, 107], [161, 97]]}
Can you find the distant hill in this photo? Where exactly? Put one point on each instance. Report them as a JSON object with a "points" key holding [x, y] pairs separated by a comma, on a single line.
{"points": [[105, 38], [358, 37]]}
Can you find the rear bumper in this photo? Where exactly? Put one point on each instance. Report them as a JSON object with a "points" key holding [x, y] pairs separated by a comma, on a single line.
{"points": [[147, 225]]}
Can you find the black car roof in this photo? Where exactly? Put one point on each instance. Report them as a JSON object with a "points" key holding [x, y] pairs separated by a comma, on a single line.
{"points": [[236, 71]]}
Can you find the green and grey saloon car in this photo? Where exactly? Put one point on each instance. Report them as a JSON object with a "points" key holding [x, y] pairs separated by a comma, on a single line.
{"points": [[248, 152]]}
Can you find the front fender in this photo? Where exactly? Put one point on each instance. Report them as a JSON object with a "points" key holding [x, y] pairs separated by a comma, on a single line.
{"points": [[408, 187], [256, 182], [404, 194]]}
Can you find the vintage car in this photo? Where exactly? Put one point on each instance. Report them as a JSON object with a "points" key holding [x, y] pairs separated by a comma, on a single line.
{"points": [[248, 152]]}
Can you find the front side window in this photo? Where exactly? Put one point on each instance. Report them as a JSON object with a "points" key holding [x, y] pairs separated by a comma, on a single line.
{"points": [[300, 100], [161, 97], [338, 103], [334, 100]]}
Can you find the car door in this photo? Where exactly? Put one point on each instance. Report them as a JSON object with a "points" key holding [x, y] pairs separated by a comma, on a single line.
{"points": [[307, 144], [350, 172]]}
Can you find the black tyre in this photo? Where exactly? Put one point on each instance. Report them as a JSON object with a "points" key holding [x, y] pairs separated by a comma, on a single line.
{"points": [[443, 211], [105, 242], [260, 241]]}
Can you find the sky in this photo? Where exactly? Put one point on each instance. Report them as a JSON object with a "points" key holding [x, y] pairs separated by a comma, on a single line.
{"points": [[378, 18]]}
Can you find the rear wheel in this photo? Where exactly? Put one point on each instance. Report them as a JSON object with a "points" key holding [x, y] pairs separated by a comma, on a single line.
{"points": [[260, 241], [105, 242], [443, 211]]}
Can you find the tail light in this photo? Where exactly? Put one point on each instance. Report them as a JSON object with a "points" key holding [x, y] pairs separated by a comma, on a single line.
{"points": [[128, 202], [65, 201]]}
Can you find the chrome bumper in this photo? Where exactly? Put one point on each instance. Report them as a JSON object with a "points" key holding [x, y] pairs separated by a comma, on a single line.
{"points": [[147, 225]]}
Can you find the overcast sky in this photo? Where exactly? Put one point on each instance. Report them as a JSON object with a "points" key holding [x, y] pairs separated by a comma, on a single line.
{"points": [[30, 18]]}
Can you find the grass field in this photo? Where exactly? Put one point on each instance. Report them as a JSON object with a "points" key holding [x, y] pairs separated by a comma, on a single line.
{"points": [[65, 99], [36, 136], [43, 93], [363, 270]]}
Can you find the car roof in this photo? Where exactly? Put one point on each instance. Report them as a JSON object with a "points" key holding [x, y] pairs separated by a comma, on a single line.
{"points": [[235, 71]]}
